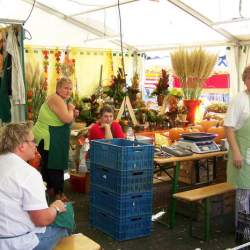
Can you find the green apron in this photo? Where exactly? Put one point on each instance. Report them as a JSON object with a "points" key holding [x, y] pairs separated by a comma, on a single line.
{"points": [[5, 106], [59, 147], [240, 177]]}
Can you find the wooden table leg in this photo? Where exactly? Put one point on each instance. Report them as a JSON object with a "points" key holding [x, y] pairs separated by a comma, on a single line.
{"points": [[207, 219], [175, 186]]}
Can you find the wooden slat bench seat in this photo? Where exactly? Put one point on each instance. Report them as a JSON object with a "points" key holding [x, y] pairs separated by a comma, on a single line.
{"points": [[203, 194], [77, 242]]}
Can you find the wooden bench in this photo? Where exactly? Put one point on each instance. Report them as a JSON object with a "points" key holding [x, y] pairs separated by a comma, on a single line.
{"points": [[77, 242], [203, 194]]}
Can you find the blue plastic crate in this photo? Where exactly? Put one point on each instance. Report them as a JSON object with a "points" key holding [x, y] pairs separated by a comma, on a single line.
{"points": [[121, 228], [127, 205], [122, 182], [121, 154]]}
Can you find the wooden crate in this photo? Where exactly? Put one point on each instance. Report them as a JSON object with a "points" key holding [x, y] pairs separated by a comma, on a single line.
{"points": [[188, 175]]}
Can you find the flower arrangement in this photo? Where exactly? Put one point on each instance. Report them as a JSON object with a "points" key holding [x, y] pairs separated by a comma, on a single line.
{"points": [[176, 92], [36, 90], [162, 85], [133, 90], [192, 68], [117, 88], [68, 66]]}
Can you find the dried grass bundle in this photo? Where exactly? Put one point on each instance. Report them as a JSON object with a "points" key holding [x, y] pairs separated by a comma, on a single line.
{"points": [[192, 68], [36, 89]]}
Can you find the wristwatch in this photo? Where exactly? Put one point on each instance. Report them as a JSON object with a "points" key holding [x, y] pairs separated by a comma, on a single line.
{"points": [[57, 209]]}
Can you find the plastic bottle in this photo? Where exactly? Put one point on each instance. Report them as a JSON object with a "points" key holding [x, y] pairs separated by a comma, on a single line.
{"points": [[130, 134], [83, 152]]}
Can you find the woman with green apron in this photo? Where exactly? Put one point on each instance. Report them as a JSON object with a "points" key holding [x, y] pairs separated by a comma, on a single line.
{"points": [[52, 133], [237, 127]]}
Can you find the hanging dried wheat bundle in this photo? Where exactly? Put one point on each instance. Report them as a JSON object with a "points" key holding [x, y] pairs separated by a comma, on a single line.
{"points": [[192, 68]]}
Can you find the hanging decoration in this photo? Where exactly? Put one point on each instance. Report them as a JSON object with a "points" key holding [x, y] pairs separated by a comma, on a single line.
{"points": [[45, 68], [68, 66], [58, 54]]}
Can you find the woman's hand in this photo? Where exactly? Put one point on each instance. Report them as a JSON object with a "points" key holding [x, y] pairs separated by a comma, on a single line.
{"points": [[237, 159], [71, 107], [76, 113], [60, 205], [105, 125]]}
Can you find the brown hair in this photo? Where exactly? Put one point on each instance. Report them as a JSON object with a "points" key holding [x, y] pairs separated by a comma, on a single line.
{"points": [[107, 109], [12, 135], [245, 73], [62, 81]]}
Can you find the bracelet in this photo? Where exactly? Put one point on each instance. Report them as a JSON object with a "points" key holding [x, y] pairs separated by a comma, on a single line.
{"points": [[56, 208]]}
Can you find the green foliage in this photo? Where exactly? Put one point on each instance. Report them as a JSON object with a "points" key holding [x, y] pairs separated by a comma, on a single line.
{"points": [[88, 108], [162, 85], [117, 88]]}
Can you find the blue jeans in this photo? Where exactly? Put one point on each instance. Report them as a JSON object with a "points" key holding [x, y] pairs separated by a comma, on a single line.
{"points": [[50, 237]]}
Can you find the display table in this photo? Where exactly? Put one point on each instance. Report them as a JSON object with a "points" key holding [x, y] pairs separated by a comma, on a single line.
{"points": [[167, 164]]}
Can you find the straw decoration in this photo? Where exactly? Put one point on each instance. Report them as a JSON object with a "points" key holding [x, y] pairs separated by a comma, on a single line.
{"points": [[193, 68]]}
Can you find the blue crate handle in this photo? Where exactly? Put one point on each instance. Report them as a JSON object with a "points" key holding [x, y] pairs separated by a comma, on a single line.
{"points": [[136, 196], [138, 150], [105, 170], [138, 173], [105, 192], [135, 219]]}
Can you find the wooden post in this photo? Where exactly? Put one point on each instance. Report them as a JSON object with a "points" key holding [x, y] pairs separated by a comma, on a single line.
{"points": [[126, 103]]}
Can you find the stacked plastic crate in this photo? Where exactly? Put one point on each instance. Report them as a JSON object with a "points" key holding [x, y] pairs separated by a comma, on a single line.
{"points": [[121, 187]]}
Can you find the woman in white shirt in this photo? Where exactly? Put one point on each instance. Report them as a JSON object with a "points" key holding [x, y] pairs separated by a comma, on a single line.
{"points": [[24, 212], [237, 127]]}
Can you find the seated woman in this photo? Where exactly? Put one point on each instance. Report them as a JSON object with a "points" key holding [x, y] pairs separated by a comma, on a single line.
{"points": [[106, 127], [25, 217]]}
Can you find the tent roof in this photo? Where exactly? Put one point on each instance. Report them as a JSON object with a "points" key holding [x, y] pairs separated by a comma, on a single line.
{"points": [[146, 24]]}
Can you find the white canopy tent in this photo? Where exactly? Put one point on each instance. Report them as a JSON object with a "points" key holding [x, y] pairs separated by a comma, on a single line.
{"points": [[147, 25]]}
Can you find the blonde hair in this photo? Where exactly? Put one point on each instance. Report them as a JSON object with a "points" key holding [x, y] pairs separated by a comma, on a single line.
{"points": [[12, 135], [245, 73], [62, 81]]}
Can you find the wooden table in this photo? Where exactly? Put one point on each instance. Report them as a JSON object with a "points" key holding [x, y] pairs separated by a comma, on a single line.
{"points": [[176, 168]]}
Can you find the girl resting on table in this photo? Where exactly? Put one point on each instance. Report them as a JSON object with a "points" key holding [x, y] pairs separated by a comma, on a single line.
{"points": [[106, 127]]}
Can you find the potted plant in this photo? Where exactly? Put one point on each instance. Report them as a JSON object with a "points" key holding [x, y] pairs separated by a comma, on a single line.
{"points": [[192, 68], [161, 88]]}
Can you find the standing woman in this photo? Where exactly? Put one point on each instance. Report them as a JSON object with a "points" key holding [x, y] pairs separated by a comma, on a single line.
{"points": [[237, 127], [52, 132]]}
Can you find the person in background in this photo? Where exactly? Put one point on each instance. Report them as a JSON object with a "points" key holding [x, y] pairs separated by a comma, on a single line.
{"points": [[24, 213], [237, 128], [105, 127], [52, 133]]}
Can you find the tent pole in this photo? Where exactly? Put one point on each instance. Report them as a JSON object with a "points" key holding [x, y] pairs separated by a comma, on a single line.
{"points": [[11, 21]]}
